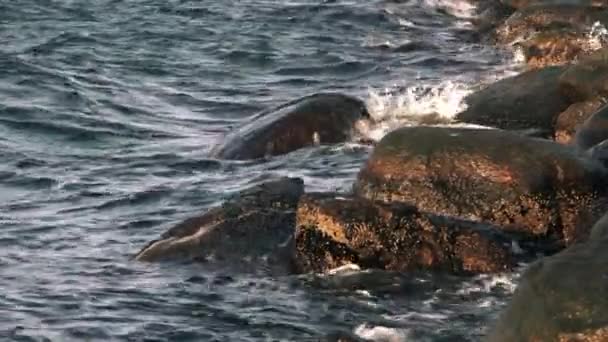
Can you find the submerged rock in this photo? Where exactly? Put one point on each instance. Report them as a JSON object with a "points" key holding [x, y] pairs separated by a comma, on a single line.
{"points": [[570, 120], [561, 298], [588, 78], [316, 119], [529, 100], [519, 183], [594, 130], [333, 231], [249, 226]]}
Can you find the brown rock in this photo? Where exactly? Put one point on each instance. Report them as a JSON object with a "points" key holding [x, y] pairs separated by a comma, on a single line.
{"points": [[394, 237], [588, 78], [560, 298], [534, 3], [554, 47], [570, 120], [527, 21], [248, 226], [519, 183], [530, 100], [594, 130], [315, 119]]}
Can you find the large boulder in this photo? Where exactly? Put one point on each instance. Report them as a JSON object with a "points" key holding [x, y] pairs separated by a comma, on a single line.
{"points": [[555, 47], [570, 121], [588, 78], [317, 119], [594, 130], [251, 225], [519, 183], [334, 230], [530, 100], [561, 298]]}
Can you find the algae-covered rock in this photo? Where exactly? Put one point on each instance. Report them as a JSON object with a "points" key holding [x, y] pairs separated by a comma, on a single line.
{"points": [[324, 118], [569, 121], [530, 100], [519, 183], [334, 230], [561, 298], [251, 225]]}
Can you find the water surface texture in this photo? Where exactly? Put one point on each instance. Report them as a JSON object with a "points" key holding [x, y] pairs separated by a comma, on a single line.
{"points": [[108, 110]]}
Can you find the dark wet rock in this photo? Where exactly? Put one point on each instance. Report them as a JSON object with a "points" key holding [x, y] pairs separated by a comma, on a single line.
{"points": [[554, 47], [526, 22], [594, 130], [333, 230], [534, 3], [250, 225], [316, 119], [570, 120], [561, 298], [529, 100], [518, 183], [599, 152], [588, 78]]}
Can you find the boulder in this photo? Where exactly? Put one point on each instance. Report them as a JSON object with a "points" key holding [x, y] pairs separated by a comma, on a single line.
{"points": [[588, 78], [594, 130], [530, 100], [518, 183], [570, 120], [250, 225], [554, 47], [317, 119], [527, 21], [335, 230], [561, 298], [599, 152]]}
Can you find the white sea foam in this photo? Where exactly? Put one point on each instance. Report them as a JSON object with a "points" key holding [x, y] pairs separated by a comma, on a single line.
{"points": [[598, 36], [382, 334], [487, 283]]}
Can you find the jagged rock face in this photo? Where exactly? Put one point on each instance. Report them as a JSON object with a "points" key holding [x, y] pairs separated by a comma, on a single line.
{"points": [[561, 298], [317, 119], [594, 130], [571, 120], [249, 226], [334, 230], [530, 100], [588, 78], [519, 183]]}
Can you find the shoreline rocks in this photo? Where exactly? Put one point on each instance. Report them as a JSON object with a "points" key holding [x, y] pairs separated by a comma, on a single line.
{"points": [[334, 230], [518, 183], [324, 118]]}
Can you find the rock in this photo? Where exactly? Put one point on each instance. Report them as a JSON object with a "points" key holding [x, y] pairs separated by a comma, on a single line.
{"points": [[528, 21], [317, 119], [248, 226], [519, 183], [554, 47], [342, 336], [599, 152], [588, 78], [560, 298], [334, 230], [535, 3], [570, 120], [594, 130], [529, 100]]}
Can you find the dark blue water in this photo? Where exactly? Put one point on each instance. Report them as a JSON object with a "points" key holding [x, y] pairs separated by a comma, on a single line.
{"points": [[107, 111]]}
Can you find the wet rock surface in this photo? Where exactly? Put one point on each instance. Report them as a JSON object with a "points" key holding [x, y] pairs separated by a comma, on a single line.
{"points": [[554, 47], [561, 298], [531, 100], [569, 121], [252, 225], [532, 3], [324, 118], [588, 78], [594, 130], [335, 230], [518, 183]]}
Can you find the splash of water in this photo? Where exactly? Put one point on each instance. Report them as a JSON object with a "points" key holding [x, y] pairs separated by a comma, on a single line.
{"points": [[598, 36], [380, 333]]}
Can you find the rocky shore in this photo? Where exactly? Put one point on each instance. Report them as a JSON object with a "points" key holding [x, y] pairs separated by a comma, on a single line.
{"points": [[532, 188]]}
